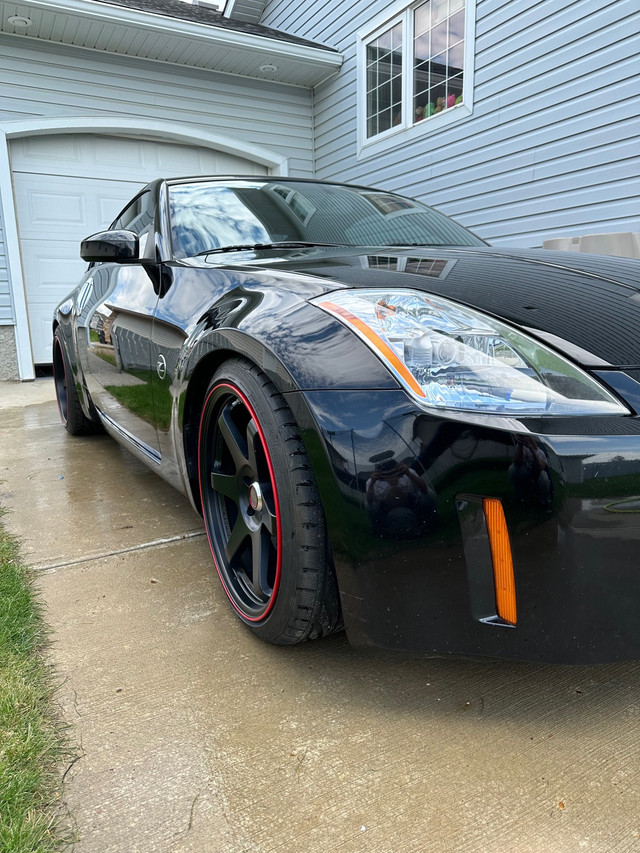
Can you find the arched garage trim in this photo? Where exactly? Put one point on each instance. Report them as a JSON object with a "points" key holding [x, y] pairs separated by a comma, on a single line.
{"points": [[154, 130], [277, 164]]}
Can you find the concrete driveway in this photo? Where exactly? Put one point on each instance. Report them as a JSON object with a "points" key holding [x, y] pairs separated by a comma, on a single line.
{"points": [[196, 737]]}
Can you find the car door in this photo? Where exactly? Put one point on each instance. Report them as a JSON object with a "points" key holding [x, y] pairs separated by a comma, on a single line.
{"points": [[118, 351]]}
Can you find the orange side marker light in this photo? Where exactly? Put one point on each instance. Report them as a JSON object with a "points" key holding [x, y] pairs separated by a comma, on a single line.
{"points": [[503, 574]]}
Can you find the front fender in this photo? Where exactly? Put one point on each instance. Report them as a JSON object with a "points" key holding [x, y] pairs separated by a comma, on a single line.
{"points": [[298, 347]]}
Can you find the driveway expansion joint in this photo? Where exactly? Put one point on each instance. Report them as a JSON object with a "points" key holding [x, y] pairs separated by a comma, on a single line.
{"points": [[50, 568]]}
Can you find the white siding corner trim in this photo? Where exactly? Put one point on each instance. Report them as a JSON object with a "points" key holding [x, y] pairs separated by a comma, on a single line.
{"points": [[277, 164], [14, 264]]}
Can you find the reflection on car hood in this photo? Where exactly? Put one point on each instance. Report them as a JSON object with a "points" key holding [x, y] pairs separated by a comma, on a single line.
{"points": [[574, 301]]}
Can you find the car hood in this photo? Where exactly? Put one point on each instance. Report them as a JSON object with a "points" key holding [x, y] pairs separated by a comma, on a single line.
{"points": [[585, 305]]}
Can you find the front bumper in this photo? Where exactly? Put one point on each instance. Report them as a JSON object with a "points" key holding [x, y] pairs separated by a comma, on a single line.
{"points": [[402, 492]]}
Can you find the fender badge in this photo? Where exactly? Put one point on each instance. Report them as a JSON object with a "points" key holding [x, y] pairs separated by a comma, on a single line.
{"points": [[161, 366]]}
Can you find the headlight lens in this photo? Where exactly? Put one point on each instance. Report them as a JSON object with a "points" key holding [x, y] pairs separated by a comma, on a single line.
{"points": [[452, 357]]}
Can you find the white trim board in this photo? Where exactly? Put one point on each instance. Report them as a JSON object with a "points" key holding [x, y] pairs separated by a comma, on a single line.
{"points": [[26, 369]]}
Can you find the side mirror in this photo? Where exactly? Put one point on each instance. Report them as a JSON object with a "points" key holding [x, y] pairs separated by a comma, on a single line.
{"points": [[119, 246]]}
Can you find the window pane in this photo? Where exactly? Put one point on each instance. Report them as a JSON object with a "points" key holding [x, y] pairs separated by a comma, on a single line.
{"points": [[438, 10], [456, 58], [438, 57], [384, 81], [422, 19], [454, 88], [456, 27], [385, 42], [422, 50], [439, 37]]}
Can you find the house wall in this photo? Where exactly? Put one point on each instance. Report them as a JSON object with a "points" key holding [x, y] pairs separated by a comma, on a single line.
{"points": [[38, 80], [6, 307], [551, 148]]}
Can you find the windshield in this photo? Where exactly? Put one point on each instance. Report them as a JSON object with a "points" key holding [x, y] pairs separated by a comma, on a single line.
{"points": [[209, 215]]}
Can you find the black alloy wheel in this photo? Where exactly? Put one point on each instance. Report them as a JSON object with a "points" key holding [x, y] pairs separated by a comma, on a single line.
{"points": [[262, 510], [243, 510], [69, 406]]}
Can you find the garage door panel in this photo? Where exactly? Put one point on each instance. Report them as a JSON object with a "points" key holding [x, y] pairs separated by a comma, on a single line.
{"points": [[57, 209], [51, 269], [227, 164], [40, 320], [173, 160], [130, 153], [41, 152], [109, 204]]}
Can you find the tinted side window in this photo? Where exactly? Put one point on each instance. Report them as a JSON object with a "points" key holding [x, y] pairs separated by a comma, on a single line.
{"points": [[137, 217]]}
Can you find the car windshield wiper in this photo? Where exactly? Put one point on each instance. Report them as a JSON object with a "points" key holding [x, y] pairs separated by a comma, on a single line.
{"points": [[283, 244]]}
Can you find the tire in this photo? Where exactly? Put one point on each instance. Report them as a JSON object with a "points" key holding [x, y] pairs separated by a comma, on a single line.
{"points": [[262, 510], [71, 414]]}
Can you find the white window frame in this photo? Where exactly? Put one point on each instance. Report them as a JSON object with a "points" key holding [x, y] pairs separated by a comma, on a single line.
{"points": [[407, 130]]}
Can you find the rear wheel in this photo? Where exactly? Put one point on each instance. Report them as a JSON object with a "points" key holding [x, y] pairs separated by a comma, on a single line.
{"points": [[71, 414], [262, 510]]}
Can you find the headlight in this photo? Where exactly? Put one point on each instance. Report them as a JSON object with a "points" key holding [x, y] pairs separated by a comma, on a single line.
{"points": [[452, 357]]}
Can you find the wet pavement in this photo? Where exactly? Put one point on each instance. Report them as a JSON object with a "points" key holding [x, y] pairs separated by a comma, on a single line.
{"points": [[196, 737]]}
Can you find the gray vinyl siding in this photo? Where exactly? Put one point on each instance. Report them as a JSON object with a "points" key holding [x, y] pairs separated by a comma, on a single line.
{"points": [[6, 307], [552, 146], [247, 10]]}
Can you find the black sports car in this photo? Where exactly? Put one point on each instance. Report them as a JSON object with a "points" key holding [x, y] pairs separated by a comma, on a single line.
{"points": [[385, 422]]}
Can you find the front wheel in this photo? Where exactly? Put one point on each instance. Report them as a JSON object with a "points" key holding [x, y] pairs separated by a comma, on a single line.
{"points": [[262, 510]]}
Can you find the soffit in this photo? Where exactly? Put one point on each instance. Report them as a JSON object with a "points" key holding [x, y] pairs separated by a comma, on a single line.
{"points": [[219, 45]]}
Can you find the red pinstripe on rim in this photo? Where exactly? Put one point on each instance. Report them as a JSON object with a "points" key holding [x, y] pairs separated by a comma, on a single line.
{"points": [[263, 441]]}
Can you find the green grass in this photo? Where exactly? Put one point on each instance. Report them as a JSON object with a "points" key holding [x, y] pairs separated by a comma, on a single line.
{"points": [[105, 355], [32, 740]]}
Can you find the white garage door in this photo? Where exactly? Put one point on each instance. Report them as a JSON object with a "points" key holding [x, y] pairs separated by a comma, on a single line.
{"points": [[68, 186]]}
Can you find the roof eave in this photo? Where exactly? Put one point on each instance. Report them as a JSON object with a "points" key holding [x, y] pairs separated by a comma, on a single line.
{"points": [[326, 60]]}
